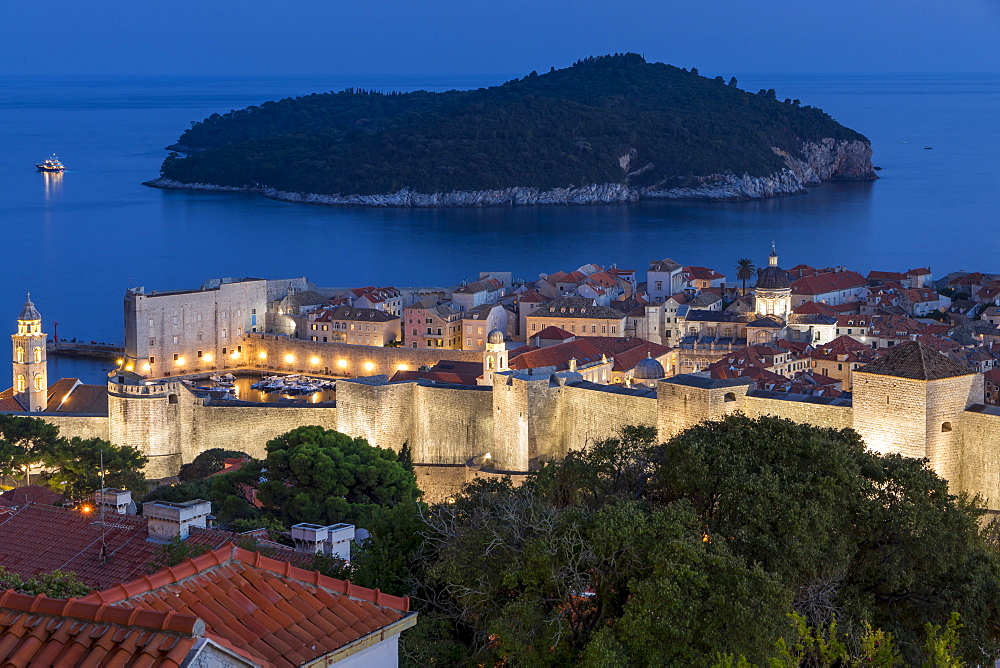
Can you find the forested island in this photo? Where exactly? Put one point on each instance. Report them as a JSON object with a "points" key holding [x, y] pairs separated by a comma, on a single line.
{"points": [[607, 129]]}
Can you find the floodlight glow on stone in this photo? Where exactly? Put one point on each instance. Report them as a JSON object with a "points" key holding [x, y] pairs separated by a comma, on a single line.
{"points": [[289, 358], [208, 357], [314, 360], [262, 355], [342, 364], [369, 366]]}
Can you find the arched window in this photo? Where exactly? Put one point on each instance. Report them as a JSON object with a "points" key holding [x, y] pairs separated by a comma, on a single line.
{"points": [[730, 396], [489, 363], [172, 399], [38, 354], [20, 383], [38, 382], [20, 355], [945, 426]]}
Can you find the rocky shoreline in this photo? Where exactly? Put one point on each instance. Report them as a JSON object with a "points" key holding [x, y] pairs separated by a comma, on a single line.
{"points": [[825, 160]]}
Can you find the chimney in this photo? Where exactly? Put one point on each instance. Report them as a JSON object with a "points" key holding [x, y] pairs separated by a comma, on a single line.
{"points": [[166, 520], [114, 501], [331, 541], [572, 364]]}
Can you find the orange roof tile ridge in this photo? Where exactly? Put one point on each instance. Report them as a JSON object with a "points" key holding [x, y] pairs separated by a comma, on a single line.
{"points": [[102, 613]]}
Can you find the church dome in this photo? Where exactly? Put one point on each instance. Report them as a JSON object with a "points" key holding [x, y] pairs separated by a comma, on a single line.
{"points": [[649, 369], [773, 277], [495, 336], [29, 312]]}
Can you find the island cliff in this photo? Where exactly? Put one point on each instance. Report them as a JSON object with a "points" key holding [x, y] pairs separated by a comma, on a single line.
{"points": [[607, 130]]}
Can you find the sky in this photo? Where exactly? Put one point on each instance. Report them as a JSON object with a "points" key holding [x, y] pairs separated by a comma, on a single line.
{"points": [[374, 37]]}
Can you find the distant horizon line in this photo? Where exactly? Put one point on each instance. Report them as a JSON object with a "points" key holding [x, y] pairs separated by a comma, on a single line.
{"points": [[472, 74]]}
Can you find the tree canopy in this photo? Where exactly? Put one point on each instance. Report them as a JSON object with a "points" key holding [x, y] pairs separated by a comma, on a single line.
{"points": [[698, 550], [610, 119]]}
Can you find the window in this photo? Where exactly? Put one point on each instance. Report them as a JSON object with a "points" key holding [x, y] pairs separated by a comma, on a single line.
{"points": [[199, 354], [176, 339], [198, 318], [313, 338], [20, 355], [946, 426], [199, 336], [225, 350], [239, 313], [468, 342], [730, 396], [20, 383], [533, 326], [152, 360], [152, 342], [172, 399], [239, 331], [326, 327], [480, 331], [593, 329], [225, 314], [151, 324], [313, 326], [239, 349], [659, 285], [479, 342], [253, 311], [414, 332], [176, 356], [223, 333], [614, 329], [414, 344]]}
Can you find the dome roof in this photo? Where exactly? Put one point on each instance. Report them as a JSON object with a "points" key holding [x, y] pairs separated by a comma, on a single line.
{"points": [[29, 312], [495, 336], [649, 369], [773, 278]]}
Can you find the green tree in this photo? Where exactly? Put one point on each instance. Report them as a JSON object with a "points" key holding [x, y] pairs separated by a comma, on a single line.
{"points": [[77, 467], [321, 476], [24, 442], [174, 552], [57, 584], [208, 462], [745, 271]]}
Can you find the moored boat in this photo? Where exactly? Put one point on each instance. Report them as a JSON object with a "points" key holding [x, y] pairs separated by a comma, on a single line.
{"points": [[51, 165]]}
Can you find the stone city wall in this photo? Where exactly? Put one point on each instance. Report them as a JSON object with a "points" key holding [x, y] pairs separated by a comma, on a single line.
{"points": [[438, 483], [979, 451], [336, 358], [451, 425], [592, 415], [82, 425], [379, 412], [890, 413], [947, 399], [249, 428], [818, 415]]}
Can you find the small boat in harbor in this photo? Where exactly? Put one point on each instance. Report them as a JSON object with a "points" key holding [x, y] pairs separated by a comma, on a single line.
{"points": [[51, 165]]}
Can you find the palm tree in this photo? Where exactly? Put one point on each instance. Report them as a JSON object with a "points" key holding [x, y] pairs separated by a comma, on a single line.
{"points": [[745, 271]]}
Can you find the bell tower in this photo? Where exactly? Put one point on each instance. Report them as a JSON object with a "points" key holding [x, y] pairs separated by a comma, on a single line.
{"points": [[31, 383], [495, 357]]}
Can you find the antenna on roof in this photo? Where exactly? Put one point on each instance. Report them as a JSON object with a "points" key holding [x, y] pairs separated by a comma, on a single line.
{"points": [[104, 546]]}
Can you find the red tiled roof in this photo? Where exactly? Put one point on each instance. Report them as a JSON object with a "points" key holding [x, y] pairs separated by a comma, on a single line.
{"points": [[832, 281], [557, 356], [20, 496], [42, 631], [39, 539], [8, 403], [627, 352], [531, 296], [702, 274], [553, 333], [269, 611], [818, 308]]}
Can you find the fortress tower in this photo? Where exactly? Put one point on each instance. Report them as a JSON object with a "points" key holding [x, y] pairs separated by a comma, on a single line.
{"points": [[773, 290], [31, 384], [912, 401]]}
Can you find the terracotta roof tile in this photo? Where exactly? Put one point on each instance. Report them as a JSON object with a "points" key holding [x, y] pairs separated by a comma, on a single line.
{"points": [[282, 614], [20, 496], [916, 361], [823, 283], [41, 631]]}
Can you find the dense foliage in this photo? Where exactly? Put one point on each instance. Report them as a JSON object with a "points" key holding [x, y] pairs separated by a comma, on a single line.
{"points": [[206, 463], [56, 584], [611, 119], [72, 467], [739, 542]]}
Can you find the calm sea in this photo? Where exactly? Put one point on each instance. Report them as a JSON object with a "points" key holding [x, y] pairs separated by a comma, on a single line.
{"points": [[77, 242]]}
